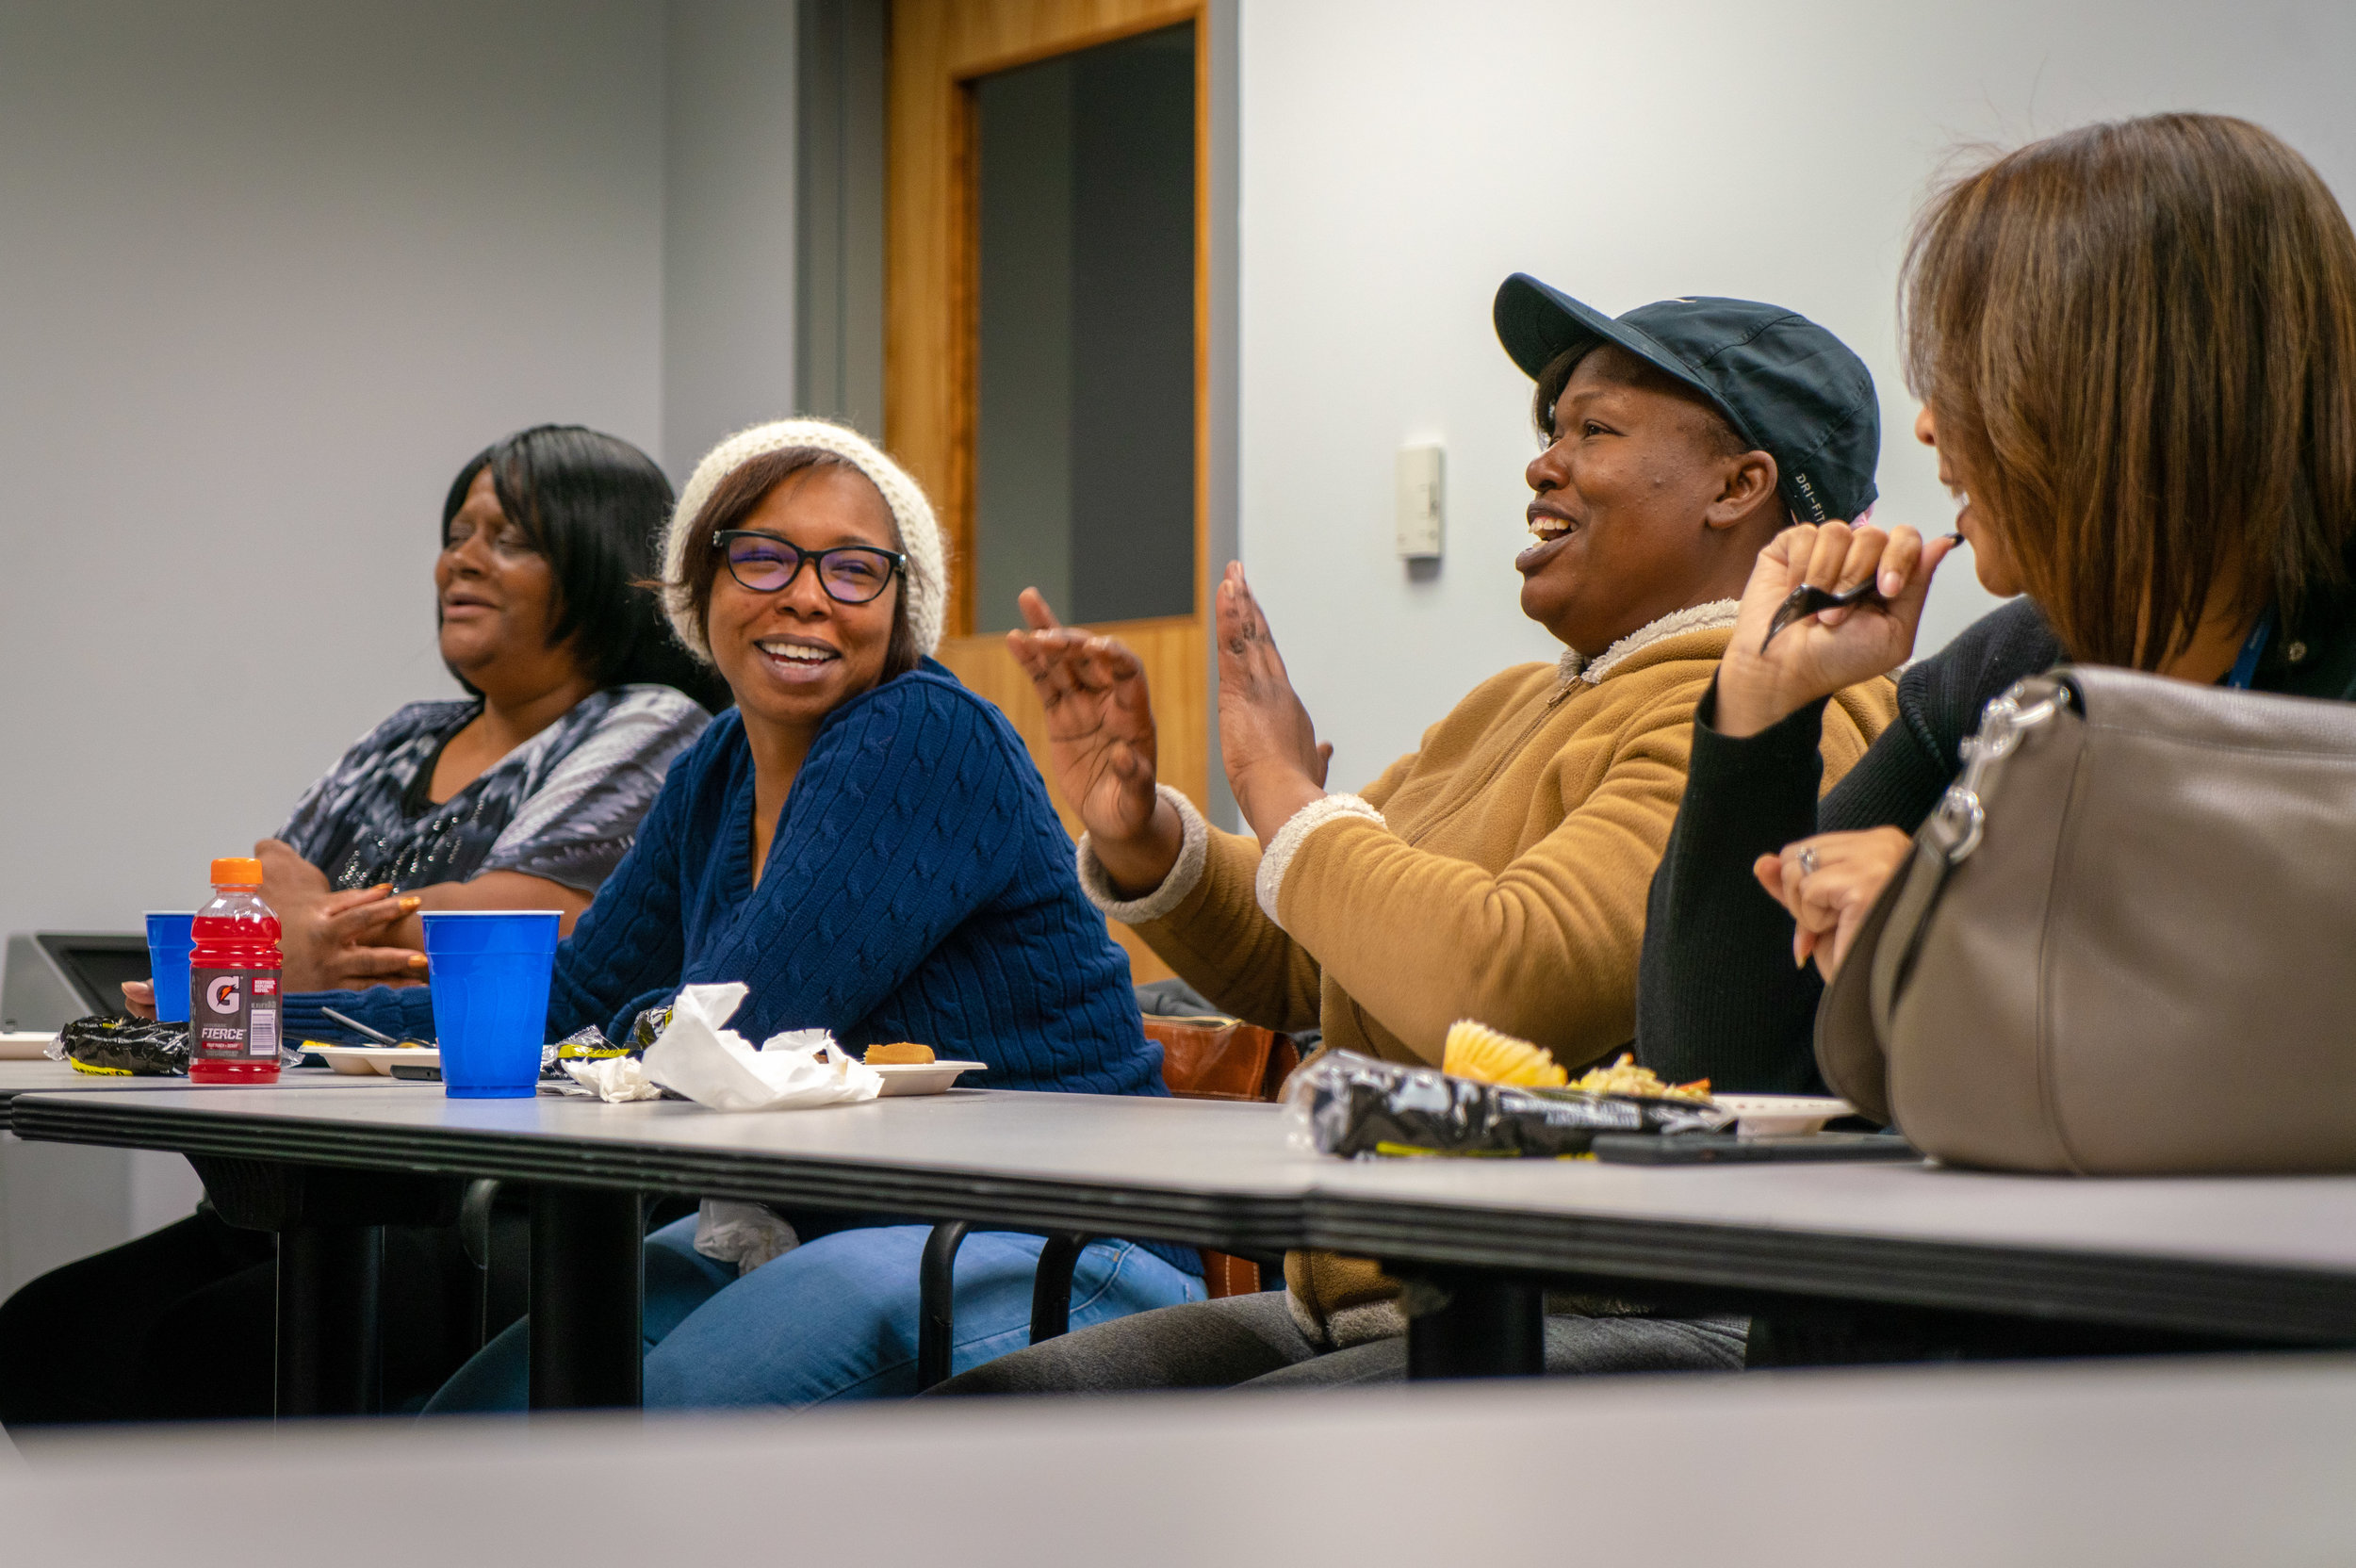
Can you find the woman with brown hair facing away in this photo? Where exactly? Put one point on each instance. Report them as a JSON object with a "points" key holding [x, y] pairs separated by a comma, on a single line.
{"points": [[1499, 872], [2136, 348]]}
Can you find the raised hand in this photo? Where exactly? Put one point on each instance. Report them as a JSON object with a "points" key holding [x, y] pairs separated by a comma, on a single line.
{"points": [[1275, 763], [1101, 741], [1817, 656]]}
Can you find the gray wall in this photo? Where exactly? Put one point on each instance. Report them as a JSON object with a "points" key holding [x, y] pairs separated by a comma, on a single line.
{"points": [[839, 208], [273, 269], [728, 230], [1399, 158]]}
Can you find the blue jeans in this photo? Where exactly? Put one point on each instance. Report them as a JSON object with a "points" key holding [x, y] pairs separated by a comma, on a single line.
{"points": [[835, 1318]]}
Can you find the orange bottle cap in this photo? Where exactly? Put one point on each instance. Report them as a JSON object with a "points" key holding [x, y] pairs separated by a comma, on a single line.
{"points": [[238, 871]]}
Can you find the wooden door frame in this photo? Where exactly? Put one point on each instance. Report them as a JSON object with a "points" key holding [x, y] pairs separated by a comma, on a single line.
{"points": [[939, 48], [932, 250]]}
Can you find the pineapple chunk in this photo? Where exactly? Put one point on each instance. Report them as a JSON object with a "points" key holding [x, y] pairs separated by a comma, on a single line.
{"points": [[1478, 1051]]}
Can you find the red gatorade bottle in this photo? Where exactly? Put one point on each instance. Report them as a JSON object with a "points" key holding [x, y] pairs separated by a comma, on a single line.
{"points": [[232, 981]]}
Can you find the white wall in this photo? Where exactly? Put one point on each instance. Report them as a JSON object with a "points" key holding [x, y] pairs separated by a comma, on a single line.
{"points": [[1401, 156], [728, 199], [271, 270]]}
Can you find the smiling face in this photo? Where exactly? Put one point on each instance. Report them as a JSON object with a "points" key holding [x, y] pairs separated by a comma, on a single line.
{"points": [[497, 597], [1645, 504], [794, 655], [1990, 558]]}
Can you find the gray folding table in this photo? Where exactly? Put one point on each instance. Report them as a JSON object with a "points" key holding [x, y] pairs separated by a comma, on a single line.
{"points": [[43, 1076], [2259, 1259], [2249, 1258], [1204, 1172]]}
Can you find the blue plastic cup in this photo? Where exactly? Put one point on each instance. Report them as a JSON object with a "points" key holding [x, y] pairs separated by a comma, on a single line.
{"points": [[168, 944], [488, 971]]}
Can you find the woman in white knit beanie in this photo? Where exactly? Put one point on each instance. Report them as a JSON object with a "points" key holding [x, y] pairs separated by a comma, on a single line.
{"points": [[868, 848], [739, 473]]}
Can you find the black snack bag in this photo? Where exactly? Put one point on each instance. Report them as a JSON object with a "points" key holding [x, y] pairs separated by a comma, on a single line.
{"points": [[590, 1044], [112, 1045], [1358, 1107], [581, 1045], [648, 1027]]}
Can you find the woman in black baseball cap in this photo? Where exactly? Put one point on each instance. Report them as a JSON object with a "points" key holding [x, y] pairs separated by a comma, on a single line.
{"points": [[1499, 872]]}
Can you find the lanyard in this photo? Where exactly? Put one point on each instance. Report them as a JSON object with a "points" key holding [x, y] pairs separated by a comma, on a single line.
{"points": [[2244, 668]]}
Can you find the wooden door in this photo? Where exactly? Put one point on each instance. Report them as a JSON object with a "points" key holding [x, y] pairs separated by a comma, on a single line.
{"points": [[942, 51]]}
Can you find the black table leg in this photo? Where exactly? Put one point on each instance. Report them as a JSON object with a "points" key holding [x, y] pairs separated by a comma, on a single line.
{"points": [[588, 1297], [1475, 1324], [330, 1348]]}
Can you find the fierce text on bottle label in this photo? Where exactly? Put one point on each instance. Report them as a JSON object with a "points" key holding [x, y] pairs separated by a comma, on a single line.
{"points": [[233, 1015]]}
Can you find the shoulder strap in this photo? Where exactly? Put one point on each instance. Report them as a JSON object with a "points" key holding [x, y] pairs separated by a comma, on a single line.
{"points": [[1852, 1020]]}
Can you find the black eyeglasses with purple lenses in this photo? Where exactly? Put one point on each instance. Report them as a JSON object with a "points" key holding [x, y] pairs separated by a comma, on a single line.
{"points": [[850, 573]]}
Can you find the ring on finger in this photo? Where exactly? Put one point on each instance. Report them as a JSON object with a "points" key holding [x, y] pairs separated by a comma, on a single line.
{"points": [[1808, 859]]}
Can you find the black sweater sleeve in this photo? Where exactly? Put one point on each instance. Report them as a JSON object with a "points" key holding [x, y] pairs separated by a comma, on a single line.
{"points": [[1718, 996]]}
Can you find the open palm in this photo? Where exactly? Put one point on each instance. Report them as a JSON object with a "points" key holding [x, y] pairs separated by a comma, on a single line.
{"points": [[1100, 720]]}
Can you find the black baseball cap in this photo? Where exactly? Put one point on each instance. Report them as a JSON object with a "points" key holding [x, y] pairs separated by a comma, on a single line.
{"points": [[1788, 386]]}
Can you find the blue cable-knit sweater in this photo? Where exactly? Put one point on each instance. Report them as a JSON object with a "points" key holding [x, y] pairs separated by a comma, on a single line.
{"points": [[918, 887]]}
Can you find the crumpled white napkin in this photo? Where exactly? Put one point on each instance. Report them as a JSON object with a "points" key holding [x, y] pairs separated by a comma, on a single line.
{"points": [[715, 1068], [745, 1235], [615, 1079]]}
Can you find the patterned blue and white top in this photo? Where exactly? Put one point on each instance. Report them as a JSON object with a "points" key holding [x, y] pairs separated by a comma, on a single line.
{"points": [[563, 806]]}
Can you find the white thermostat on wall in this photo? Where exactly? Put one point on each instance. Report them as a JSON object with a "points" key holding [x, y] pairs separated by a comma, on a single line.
{"points": [[1420, 502]]}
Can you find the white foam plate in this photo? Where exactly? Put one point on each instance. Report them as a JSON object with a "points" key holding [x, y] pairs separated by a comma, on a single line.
{"points": [[1759, 1115], [361, 1060], [25, 1047], [923, 1077]]}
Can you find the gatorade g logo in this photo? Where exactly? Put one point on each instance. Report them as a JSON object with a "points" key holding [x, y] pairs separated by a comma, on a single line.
{"points": [[220, 993]]}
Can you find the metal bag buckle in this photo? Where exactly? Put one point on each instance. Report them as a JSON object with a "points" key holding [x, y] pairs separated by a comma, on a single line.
{"points": [[1961, 819]]}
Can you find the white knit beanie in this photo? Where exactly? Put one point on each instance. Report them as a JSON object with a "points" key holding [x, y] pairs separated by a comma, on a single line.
{"points": [[926, 580]]}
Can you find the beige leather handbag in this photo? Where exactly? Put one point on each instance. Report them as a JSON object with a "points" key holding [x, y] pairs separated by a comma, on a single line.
{"points": [[2126, 942]]}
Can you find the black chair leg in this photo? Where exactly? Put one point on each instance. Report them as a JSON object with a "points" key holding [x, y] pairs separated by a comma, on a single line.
{"points": [[1050, 1288], [935, 1308], [588, 1298], [330, 1348], [474, 1237]]}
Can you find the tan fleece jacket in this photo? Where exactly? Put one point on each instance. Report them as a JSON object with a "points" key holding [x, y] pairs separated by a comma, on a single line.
{"points": [[1499, 872]]}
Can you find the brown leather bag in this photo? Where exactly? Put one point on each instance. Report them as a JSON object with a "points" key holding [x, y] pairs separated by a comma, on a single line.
{"points": [[1222, 1058], [2126, 942]]}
